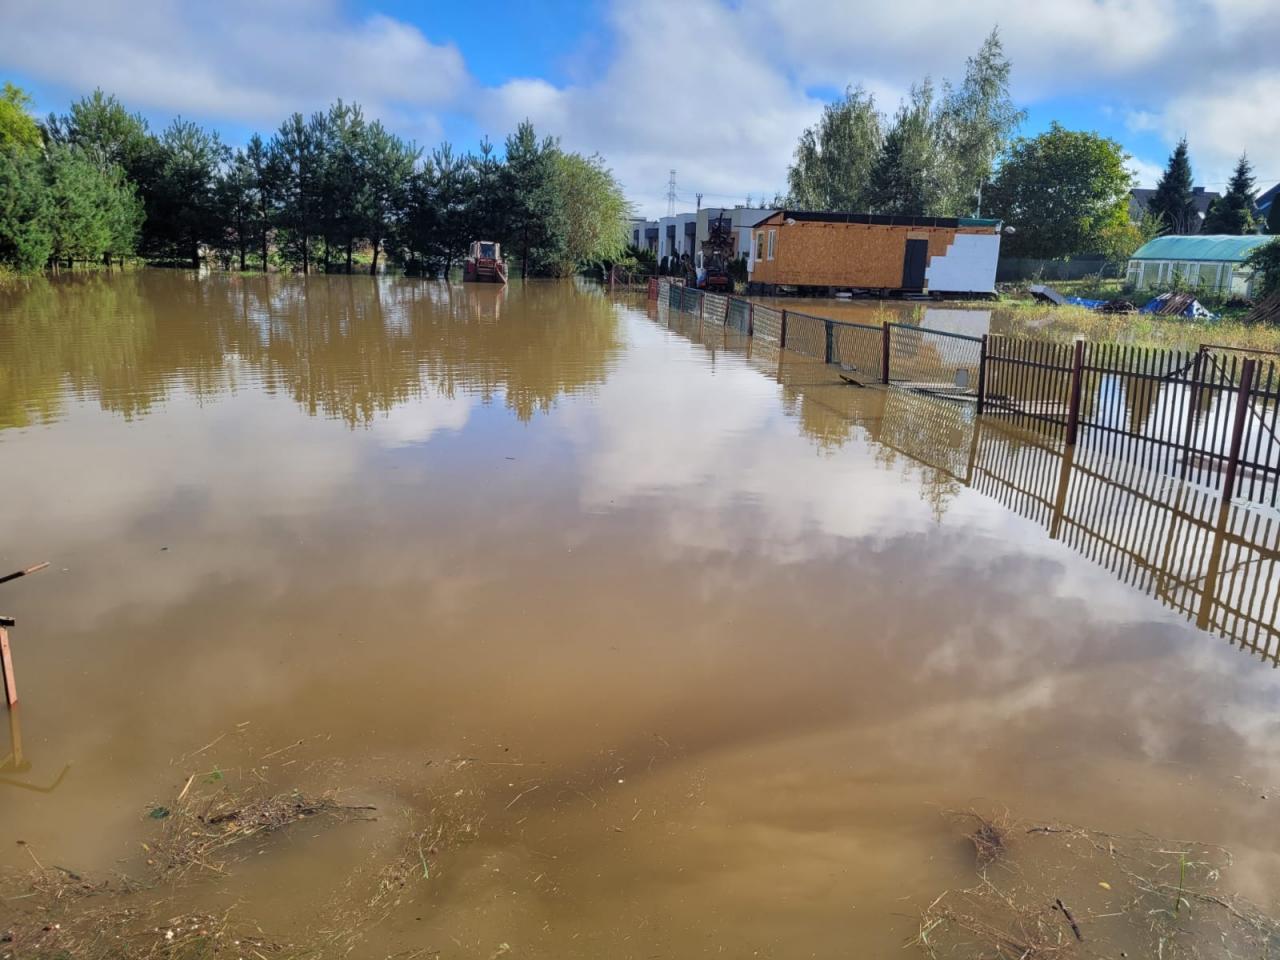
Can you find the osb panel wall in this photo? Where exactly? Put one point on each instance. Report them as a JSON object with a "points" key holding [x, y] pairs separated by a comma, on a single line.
{"points": [[845, 254]]}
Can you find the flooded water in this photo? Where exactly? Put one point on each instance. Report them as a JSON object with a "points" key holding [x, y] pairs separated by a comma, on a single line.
{"points": [[689, 649]]}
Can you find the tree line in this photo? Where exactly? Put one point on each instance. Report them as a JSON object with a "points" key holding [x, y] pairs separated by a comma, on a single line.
{"points": [[953, 152], [334, 191]]}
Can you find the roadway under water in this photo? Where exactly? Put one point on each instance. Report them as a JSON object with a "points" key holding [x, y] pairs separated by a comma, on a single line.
{"points": [[666, 650]]}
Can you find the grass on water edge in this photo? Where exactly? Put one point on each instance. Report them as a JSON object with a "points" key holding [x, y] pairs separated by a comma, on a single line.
{"points": [[1035, 319]]}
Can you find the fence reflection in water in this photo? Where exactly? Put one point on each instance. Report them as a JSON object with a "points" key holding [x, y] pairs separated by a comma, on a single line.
{"points": [[1216, 564]]}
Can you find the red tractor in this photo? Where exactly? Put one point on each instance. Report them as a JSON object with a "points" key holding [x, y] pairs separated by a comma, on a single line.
{"points": [[484, 263]]}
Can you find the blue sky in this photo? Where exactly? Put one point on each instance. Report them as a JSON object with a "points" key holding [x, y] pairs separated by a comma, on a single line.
{"points": [[717, 89]]}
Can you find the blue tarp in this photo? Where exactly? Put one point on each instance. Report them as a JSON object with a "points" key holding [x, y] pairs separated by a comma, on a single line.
{"points": [[1082, 302], [1194, 309]]}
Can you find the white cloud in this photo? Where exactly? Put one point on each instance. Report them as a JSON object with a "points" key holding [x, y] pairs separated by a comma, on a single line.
{"points": [[240, 61], [1224, 117], [418, 420], [689, 87], [716, 89], [1148, 174]]}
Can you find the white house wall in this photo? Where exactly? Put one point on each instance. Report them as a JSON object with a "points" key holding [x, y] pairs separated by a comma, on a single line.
{"points": [[968, 266]]}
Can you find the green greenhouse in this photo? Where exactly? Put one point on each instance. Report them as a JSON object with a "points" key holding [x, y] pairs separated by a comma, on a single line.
{"points": [[1213, 263]]}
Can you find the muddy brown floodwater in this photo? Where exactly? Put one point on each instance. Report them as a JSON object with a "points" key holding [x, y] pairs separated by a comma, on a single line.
{"points": [[688, 664]]}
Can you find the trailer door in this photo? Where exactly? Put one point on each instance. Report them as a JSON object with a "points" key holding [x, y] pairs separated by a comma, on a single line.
{"points": [[913, 264]]}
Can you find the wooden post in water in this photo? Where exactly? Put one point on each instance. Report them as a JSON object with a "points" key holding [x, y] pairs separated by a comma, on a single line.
{"points": [[1064, 482], [751, 319], [884, 354], [1073, 404], [6, 655], [6, 663], [830, 342], [982, 375], [782, 335], [1237, 428], [1208, 595]]}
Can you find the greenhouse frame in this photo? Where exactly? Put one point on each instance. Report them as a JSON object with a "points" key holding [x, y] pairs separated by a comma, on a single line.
{"points": [[1211, 263]]}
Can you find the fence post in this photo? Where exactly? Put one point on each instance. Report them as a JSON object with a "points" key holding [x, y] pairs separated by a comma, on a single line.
{"points": [[1237, 428], [830, 338], [751, 319], [982, 375], [6, 663], [884, 354], [1073, 404], [782, 334]]}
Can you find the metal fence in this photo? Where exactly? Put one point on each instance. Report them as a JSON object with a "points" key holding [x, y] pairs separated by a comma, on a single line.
{"points": [[1210, 417], [1204, 416]]}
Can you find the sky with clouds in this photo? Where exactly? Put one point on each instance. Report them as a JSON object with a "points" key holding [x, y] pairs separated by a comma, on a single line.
{"points": [[719, 90]]}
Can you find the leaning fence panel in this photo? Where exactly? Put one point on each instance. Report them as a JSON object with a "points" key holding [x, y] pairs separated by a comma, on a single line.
{"points": [[933, 360], [768, 323], [738, 315], [807, 335], [714, 307], [857, 350]]}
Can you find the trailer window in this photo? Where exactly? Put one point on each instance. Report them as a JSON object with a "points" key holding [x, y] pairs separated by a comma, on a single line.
{"points": [[773, 242]]}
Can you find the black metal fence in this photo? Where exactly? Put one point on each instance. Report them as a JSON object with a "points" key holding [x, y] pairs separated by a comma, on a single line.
{"points": [[1206, 416], [1210, 417]]}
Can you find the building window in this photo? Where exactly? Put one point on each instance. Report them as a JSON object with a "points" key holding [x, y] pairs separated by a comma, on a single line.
{"points": [[760, 245], [773, 242]]}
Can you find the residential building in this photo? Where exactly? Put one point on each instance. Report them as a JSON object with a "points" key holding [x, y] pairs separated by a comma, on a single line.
{"points": [[1201, 199], [643, 234], [1262, 205], [677, 235]]}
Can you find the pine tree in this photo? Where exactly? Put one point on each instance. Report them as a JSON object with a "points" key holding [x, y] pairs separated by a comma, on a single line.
{"points": [[186, 211], [1172, 201], [386, 163], [26, 236], [297, 169], [1233, 211], [258, 156], [528, 195]]}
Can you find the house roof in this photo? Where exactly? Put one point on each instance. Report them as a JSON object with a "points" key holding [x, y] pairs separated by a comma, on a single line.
{"points": [[1267, 197], [882, 220], [1201, 199], [1211, 247]]}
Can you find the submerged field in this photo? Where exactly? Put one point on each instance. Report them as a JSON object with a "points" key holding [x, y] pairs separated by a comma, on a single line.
{"points": [[388, 617]]}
